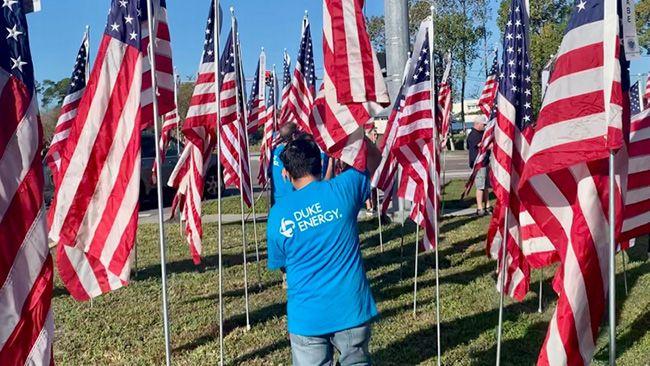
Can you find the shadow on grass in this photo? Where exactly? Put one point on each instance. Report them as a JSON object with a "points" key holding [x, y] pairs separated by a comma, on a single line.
{"points": [[512, 351], [419, 346], [256, 317]]}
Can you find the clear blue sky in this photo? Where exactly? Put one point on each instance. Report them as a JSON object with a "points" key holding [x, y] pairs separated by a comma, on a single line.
{"points": [[275, 25]]}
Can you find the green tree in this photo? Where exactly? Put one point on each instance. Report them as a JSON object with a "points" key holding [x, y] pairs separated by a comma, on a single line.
{"points": [[460, 27], [643, 24], [53, 92]]}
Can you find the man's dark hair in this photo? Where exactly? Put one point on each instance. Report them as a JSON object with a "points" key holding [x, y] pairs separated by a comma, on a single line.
{"points": [[301, 157]]}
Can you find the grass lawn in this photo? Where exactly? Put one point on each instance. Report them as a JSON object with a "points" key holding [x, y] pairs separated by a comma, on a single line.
{"points": [[125, 327]]}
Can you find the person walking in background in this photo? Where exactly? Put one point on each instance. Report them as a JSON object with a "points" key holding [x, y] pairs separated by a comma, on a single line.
{"points": [[312, 234], [481, 181], [372, 198]]}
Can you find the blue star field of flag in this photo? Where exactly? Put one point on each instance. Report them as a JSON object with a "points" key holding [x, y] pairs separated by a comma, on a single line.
{"points": [[287, 71], [515, 79], [306, 58], [422, 69], [78, 78], [255, 90], [635, 103], [227, 63], [123, 22], [15, 55], [208, 42]]}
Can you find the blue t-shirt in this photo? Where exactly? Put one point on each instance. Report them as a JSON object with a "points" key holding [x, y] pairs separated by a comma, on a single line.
{"points": [[313, 233], [281, 186]]}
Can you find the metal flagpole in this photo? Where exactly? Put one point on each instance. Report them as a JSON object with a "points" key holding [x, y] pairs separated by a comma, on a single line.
{"points": [[161, 225], [250, 174], [217, 81], [612, 262], [177, 83], [381, 234], [624, 271], [502, 284], [434, 172], [541, 282], [401, 251], [235, 43], [415, 276]]}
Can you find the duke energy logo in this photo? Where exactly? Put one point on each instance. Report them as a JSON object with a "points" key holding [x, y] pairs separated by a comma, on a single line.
{"points": [[287, 227], [309, 217]]}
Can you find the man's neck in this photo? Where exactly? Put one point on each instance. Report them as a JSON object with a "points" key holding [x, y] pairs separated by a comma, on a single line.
{"points": [[301, 183]]}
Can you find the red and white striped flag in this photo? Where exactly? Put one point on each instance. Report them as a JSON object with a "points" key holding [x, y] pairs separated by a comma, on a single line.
{"points": [[170, 123], [200, 129], [353, 86], [165, 80], [564, 183], [69, 107], [636, 220], [416, 145], [269, 123], [445, 102], [489, 93], [257, 99], [26, 270], [511, 135], [94, 214], [303, 85], [234, 137]]}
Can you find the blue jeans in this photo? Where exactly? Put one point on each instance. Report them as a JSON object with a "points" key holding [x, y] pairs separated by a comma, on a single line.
{"points": [[352, 345]]}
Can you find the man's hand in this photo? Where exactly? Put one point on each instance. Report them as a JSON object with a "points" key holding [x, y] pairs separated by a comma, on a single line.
{"points": [[374, 157]]}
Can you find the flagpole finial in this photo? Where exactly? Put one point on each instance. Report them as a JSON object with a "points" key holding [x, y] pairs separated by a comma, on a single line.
{"points": [[262, 48], [232, 10]]}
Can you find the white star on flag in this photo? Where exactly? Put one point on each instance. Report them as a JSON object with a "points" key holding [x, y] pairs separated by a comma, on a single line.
{"points": [[13, 33], [18, 63]]}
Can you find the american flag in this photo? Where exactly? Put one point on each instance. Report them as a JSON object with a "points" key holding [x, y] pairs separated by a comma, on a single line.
{"points": [[445, 101], [489, 93], [269, 122], [353, 86], [69, 107], [416, 144], [26, 270], [285, 110], [564, 184], [303, 86], [512, 130], [234, 144], [170, 122], [165, 81], [200, 129], [94, 215], [636, 219], [257, 99]]}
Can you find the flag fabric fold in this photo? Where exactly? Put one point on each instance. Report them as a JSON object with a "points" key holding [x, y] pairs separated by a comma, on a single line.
{"points": [[353, 88], [257, 98], [69, 107], [200, 130], [94, 214], [26, 269], [568, 196]]}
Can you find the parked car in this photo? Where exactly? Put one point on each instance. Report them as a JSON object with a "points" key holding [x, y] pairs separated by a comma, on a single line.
{"points": [[147, 187]]}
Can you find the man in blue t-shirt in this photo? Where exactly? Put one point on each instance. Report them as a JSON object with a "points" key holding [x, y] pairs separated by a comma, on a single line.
{"points": [[312, 233]]}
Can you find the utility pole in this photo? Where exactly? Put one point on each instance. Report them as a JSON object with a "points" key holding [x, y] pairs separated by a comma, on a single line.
{"points": [[397, 42], [398, 45]]}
